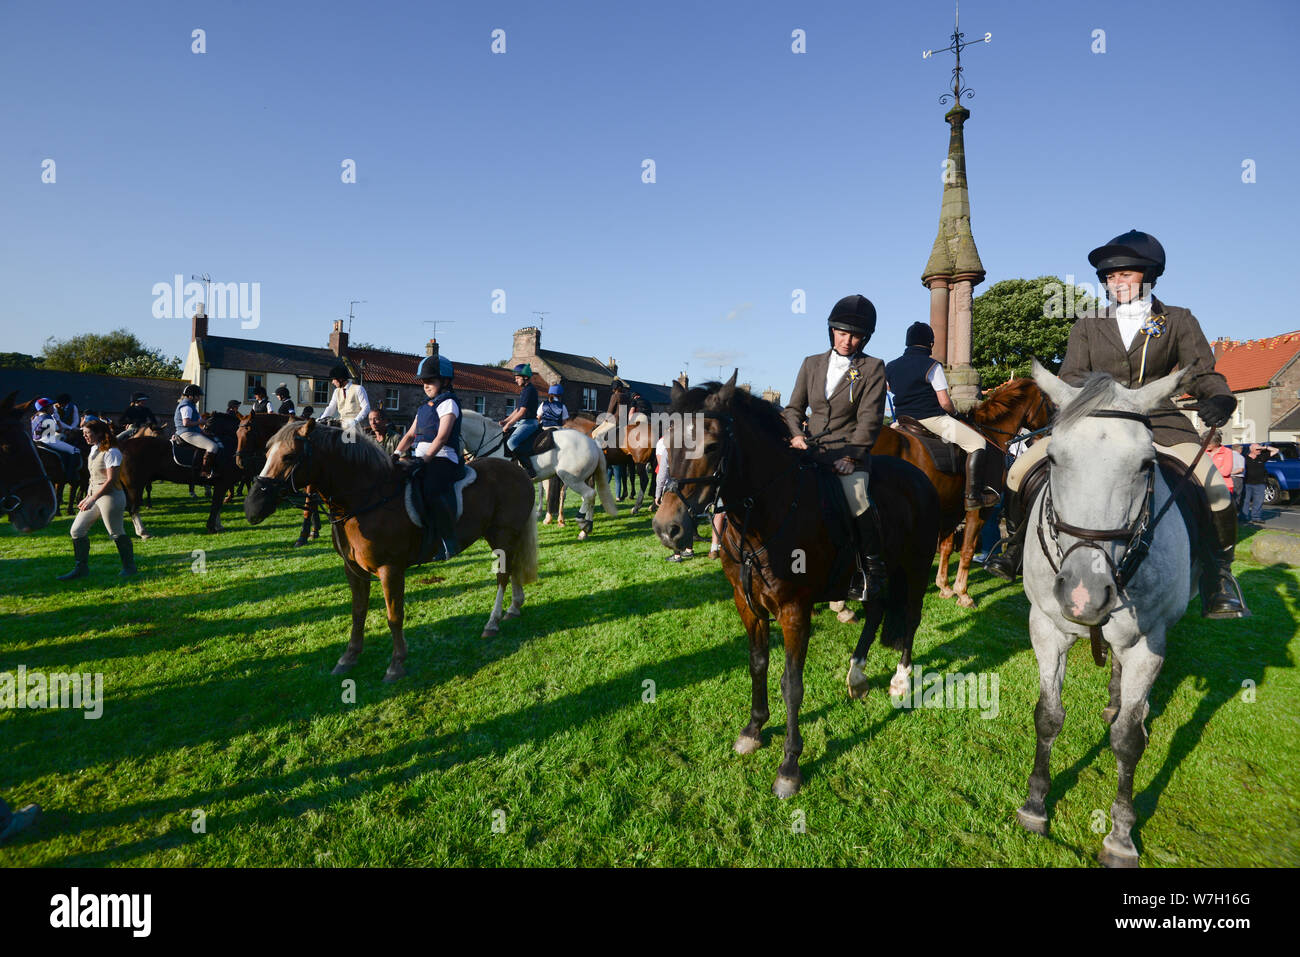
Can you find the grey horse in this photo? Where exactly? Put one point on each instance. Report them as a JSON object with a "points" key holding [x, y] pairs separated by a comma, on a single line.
{"points": [[1103, 487]]}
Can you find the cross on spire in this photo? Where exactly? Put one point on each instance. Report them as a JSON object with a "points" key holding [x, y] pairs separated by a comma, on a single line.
{"points": [[959, 43]]}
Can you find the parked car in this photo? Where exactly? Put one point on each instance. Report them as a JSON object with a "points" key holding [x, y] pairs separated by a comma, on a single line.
{"points": [[1283, 471]]}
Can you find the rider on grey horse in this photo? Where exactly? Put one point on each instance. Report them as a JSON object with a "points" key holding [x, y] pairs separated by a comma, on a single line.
{"points": [[1138, 339]]}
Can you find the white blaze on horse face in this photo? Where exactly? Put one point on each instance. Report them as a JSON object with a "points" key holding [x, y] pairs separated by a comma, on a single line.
{"points": [[272, 461]]}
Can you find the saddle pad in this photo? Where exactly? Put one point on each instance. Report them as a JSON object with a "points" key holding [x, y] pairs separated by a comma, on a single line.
{"points": [[185, 455], [543, 441], [946, 456], [415, 506]]}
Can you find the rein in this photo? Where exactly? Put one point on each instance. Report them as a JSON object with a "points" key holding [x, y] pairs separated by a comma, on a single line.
{"points": [[1138, 534], [748, 558], [290, 482]]}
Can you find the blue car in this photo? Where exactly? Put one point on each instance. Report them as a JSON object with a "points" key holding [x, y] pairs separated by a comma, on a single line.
{"points": [[1283, 471]]}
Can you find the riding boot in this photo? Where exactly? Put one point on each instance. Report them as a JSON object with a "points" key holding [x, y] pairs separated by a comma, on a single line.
{"points": [[869, 579], [1220, 594], [444, 517], [126, 553], [526, 463], [1006, 565], [977, 494], [81, 552]]}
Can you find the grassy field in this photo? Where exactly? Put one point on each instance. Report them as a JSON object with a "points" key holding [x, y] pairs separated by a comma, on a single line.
{"points": [[539, 747]]}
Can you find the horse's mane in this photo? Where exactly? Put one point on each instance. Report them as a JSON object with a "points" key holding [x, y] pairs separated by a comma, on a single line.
{"points": [[762, 414], [1099, 391], [362, 452], [1002, 400]]}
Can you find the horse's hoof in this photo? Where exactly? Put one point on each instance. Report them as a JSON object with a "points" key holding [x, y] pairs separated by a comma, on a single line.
{"points": [[1031, 822], [546, 520], [747, 745], [343, 667], [945, 592], [965, 601], [1111, 858], [898, 685], [636, 511], [859, 691], [491, 631], [513, 613], [786, 787], [1109, 715], [582, 536], [392, 675]]}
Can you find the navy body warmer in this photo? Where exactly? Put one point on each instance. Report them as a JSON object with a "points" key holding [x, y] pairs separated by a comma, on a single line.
{"points": [[913, 393], [427, 422]]}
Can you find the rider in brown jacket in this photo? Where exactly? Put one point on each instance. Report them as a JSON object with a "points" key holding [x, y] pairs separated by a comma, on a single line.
{"points": [[841, 393]]}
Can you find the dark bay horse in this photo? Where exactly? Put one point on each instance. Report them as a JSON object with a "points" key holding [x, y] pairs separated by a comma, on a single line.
{"points": [[26, 493], [373, 531], [148, 458], [780, 550], [1007, 409], [57, 472]]}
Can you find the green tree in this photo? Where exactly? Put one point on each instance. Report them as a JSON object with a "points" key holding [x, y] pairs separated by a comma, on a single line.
{"points": [[18, 360], [1017, 320], [148, 364], [91, 352]]}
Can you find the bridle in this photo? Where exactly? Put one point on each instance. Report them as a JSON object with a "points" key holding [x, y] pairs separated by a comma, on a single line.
{"points": [[675, 485], [10, 500], [1136, 536], [289, 483], [1024, 418]]}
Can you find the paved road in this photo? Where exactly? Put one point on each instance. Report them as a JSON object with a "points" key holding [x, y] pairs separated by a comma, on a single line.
{"points": [[1284, 518]]}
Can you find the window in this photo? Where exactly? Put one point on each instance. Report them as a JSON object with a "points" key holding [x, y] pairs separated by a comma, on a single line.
{"points": [[480, 404], [589, 398], [305, 393], [510, 405], [320, 394], [1237, 420], [254, 380], [390, 400]]}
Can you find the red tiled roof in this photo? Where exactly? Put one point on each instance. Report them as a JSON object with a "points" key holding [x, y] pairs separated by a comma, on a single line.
{"points": [[399, 368], [1250, 365]]}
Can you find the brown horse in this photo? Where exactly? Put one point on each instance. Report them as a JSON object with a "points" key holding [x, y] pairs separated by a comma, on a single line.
{"points": [[148, 458], [1007, 409], [781, 549], [26, 493], [372, 526], [635, 453]]}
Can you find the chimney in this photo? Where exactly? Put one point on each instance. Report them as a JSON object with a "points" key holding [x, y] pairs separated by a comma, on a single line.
{"points": [[199, 325], [431, 347], [684, 381], [338, 339], [527, 341], [613, 366]]}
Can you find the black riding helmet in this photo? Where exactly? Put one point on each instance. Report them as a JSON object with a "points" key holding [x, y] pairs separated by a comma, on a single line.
{"points": [[1131, 250], [191, 391], [920, 334], [341, 373], [853, 314]]}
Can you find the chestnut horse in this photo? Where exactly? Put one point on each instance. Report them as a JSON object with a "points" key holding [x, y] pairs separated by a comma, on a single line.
{"points": [[1007, 409], [373, 531], [26, 493], [781, 550], [637, 456]]}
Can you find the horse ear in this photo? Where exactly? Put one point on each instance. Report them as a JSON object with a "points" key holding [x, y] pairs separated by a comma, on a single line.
{"points": [[1153, 393], [1058, 391], [728, 388], [305, 429]]}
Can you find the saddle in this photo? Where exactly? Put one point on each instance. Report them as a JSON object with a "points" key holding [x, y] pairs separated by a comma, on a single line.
{"points": [[433, 516], [947, 456], [185, 455], [543, 440]]}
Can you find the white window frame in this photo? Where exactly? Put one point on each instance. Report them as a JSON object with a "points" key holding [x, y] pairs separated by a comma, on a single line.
{"points": [[589, 398], [392, 399], [480, 404]]}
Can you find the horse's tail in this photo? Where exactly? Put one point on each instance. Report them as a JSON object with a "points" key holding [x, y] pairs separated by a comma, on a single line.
{"points": [[602, 486], [525, 563]]}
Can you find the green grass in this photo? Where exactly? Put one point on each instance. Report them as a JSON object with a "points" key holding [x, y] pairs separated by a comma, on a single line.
{"points": [[219, 697]]}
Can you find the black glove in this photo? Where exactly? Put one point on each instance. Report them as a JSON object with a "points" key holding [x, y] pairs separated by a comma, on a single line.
{"points": [[1215, 410], [397, 457]]}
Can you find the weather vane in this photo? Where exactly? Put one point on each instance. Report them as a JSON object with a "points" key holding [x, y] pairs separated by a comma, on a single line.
{"points": [[958, 44]]}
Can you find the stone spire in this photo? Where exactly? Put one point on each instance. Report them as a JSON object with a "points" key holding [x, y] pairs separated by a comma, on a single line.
{"points": [[954, 267]]}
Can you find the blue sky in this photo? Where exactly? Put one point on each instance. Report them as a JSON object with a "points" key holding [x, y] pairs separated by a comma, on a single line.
{"points": [[522, 171]]}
